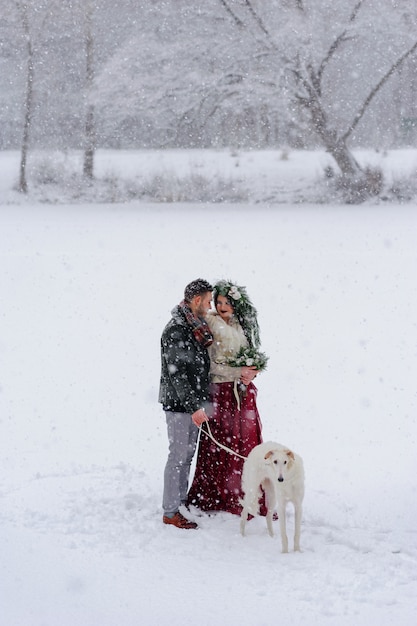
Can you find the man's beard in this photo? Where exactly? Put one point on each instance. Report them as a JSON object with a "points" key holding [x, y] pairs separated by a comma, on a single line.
{"points": [[201, 311]]}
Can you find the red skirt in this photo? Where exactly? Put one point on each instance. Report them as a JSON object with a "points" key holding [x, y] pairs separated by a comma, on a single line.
{"points": [[217, 480]]}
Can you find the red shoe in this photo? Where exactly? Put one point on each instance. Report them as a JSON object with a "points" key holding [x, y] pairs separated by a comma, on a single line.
{"points": [[179, 521]]}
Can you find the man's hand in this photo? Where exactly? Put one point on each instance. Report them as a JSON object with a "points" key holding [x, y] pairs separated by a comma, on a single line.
{"points": [[199, 417]]}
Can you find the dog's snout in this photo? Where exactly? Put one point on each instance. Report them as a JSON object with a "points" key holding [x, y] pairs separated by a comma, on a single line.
{"points": [[280, 479]]}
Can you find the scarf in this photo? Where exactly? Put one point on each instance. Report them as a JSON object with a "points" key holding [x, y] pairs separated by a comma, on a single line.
{"points": [[199, 326]]}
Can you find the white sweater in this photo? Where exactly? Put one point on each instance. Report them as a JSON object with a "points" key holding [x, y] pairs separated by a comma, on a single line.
{"points": [[228, 339]]}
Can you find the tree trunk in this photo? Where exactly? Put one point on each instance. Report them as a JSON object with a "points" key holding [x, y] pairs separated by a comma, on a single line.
{"points": [[90, 136], [344, 158], [23, 186], [89, 149], [335, 145]]}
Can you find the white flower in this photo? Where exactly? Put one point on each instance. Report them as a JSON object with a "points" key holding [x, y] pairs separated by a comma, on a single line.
{"points": [[249, 362], [234, 293]]}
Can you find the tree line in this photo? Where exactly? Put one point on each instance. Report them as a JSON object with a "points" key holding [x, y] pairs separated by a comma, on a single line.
{"points": [[256, 73]]}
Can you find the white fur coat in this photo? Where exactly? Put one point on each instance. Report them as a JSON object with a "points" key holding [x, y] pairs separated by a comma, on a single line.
{"points": [[228, 339]]}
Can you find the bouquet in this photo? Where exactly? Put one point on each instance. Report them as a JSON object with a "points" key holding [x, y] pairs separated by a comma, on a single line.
{"points": [[249, 357]]}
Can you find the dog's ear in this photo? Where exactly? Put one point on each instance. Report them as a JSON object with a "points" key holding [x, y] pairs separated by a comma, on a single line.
{"points": [[290, 454], [268, 455]]}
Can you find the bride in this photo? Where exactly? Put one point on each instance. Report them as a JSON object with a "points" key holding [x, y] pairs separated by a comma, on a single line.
{"points": [[235, 360]]}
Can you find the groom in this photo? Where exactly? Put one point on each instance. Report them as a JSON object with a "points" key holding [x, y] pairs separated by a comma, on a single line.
{"points": [[184, 392]]}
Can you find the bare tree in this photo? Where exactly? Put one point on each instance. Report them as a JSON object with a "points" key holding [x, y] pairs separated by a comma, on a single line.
{"points": [[28, 100], [32, 21], [310, 90], [309, 85], [309, 81], [90, 135]]}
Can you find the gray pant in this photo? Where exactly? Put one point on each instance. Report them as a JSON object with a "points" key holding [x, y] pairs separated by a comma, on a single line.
{"points": [[182, 438]]}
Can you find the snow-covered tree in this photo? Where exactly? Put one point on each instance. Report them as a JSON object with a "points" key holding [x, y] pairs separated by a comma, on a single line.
{"points": [[336, 58], [283, 71], [182, 79], [214, 72]]}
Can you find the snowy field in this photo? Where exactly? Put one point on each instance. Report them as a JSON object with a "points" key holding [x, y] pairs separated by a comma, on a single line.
{"points": [[85, 292], [203, 176]]}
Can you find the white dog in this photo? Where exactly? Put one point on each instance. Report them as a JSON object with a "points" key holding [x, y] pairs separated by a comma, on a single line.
{"points": [[280, 473]]}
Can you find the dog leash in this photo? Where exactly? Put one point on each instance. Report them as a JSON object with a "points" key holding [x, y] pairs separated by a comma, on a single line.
{"points": [[210, 434]]}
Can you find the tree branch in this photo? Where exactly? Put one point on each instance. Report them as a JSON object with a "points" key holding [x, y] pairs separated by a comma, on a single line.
{"points": [[257, 18], [355, 11], [339, 40], [375, 90], [236, 19]]}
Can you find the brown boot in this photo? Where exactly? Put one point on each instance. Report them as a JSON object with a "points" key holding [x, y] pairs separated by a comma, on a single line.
{"points": [[179, 521]]}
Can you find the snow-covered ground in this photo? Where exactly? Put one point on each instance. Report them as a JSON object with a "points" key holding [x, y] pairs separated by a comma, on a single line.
{"points": [[208, 176], [85, 292]]}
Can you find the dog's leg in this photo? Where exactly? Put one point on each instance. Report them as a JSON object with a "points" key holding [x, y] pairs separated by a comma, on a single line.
{"points": [[282, 524], [243, 519], [250, 504], [298, 510], [270, 505], [269, 522]]}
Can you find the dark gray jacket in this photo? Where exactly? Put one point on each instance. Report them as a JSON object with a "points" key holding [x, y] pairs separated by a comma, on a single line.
{"points": [[185, 366]]}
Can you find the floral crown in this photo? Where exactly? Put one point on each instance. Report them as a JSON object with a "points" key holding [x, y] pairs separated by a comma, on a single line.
{"points": [[242, 307]]}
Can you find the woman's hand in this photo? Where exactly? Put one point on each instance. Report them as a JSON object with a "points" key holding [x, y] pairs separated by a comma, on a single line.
{"points": [[247, 374]]}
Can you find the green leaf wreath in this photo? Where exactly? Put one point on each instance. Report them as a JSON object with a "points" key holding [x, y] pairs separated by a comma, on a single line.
{"points": [[242, 308]]}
